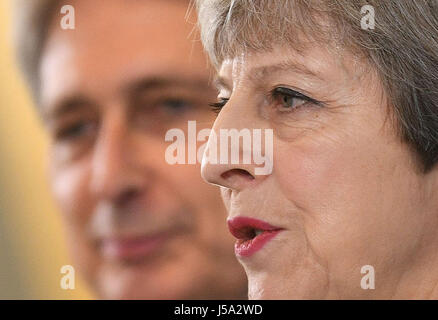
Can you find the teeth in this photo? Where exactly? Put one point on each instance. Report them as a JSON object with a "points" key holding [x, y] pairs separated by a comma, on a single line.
{"points": [[257, 232]]}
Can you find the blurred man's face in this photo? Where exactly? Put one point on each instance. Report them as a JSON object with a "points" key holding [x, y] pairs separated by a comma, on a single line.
{"points": [[137, 226]]}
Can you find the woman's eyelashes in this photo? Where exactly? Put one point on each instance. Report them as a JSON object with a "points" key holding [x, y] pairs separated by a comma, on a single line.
{"points": [[284, 99], [287, 100], [217, 106]]}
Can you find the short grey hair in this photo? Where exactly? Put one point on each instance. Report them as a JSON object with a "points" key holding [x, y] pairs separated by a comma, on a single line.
{"points": [[31, 19], [403, 48]]}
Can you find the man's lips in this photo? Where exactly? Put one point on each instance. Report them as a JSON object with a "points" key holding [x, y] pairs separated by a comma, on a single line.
{"points": [[252, 234], [132, 248]]}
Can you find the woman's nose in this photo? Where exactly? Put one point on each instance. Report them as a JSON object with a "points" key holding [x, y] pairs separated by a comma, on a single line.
{"points": [[235, 177], [231, 158]]}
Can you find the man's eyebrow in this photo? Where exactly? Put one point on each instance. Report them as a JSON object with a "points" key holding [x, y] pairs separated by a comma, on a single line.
{"points": [[156, 82], [76, 101], [65, 106], [258, 73]]}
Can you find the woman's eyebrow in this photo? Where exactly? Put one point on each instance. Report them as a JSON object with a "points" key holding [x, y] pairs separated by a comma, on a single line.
{"points": [[259, 73]]}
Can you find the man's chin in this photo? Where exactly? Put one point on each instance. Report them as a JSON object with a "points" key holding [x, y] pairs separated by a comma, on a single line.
{"points": [[140, 283], [131, 289]]}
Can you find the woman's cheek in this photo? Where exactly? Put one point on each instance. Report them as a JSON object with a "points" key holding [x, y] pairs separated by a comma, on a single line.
{"points": [[319, 179]]}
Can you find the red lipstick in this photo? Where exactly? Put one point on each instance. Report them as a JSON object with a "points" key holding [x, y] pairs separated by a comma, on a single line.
{"points": [[252, 234]]}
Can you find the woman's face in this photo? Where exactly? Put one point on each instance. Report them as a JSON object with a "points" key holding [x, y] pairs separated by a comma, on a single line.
{"points": [[344, 191]]}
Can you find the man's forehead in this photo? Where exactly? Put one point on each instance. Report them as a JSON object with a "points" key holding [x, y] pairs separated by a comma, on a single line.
{"points": [[73, 65]]}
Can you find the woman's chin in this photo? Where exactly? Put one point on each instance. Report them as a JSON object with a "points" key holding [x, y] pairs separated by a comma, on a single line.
{"points": [[264, 290], [281, 285], [264, 286]]}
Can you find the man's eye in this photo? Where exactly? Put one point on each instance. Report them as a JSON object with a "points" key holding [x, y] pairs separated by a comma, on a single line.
{"points": [[74, 131], [287, 99], [176, 106], [217, 106]]}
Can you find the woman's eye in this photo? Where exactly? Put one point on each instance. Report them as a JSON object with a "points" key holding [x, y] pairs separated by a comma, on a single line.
{"points": [[216, 107], [289, 102], [288, 99]]}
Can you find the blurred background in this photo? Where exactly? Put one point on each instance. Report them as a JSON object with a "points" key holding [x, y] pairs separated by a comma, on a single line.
{"points": [[32, 248]]}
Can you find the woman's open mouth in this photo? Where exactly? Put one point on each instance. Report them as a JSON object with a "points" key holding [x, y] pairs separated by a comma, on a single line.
{"points": [[252, 234]]}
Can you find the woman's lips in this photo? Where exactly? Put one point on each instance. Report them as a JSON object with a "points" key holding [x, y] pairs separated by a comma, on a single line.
{"points": [[133, 248], [252, 234]]}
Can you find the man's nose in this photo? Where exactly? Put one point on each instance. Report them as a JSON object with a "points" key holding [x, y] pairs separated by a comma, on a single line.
{"points": [[235, 176], [112, 177]]}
